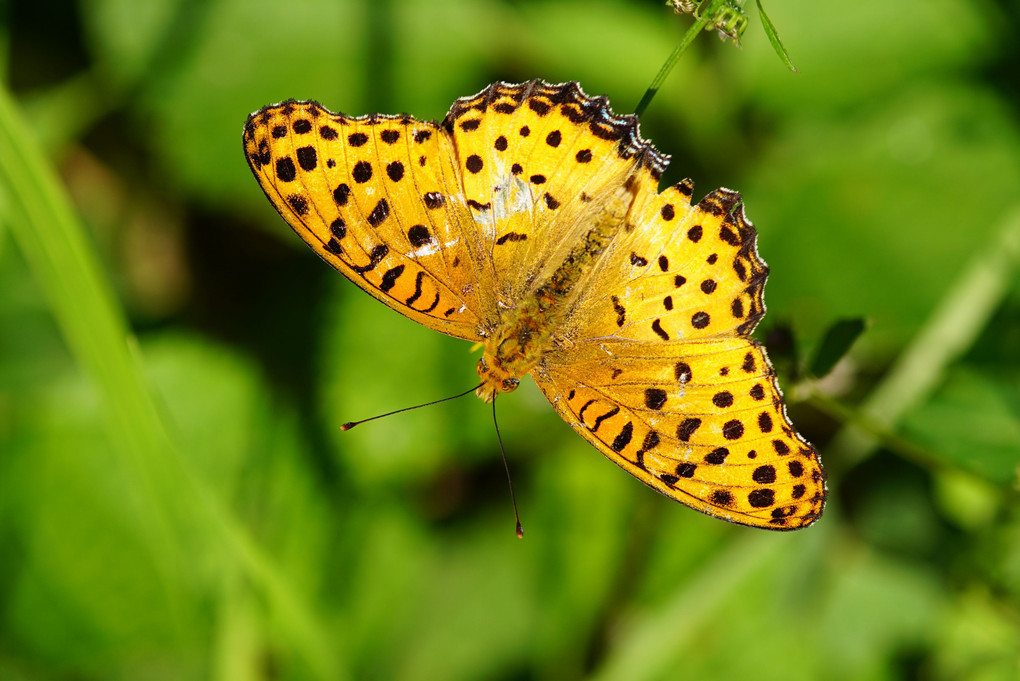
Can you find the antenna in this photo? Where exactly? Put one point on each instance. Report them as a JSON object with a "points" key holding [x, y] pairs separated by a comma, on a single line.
{"points": [[513, 500], [506, 467], [351, 424]]}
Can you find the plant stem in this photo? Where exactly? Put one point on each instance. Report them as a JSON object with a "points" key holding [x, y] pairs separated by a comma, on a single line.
{"points": [[685, 42], [952, 328]]}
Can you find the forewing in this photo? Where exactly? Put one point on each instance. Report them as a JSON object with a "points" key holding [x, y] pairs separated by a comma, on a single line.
{"points": [[537, 161], [372, 196]]}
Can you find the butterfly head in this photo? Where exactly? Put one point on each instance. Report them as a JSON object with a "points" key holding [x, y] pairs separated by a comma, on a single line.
{"points": [[495, 379]]}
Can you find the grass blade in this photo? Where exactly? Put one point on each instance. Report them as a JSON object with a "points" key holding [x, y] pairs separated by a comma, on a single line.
{"points": [[44, 224], [777, 44], [952, 328]]}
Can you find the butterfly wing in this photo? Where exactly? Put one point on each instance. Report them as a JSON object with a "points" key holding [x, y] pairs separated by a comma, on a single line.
{"points": [[537, 160], [660, 374], [451, 223], [372, 196], [447, 223]]}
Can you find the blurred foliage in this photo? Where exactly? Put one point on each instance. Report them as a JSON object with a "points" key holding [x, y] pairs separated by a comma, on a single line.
{"points": [[188, 508], [835, 344]]}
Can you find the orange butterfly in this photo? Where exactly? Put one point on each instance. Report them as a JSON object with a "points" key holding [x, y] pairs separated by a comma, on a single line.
{"points": [[530, 220]]}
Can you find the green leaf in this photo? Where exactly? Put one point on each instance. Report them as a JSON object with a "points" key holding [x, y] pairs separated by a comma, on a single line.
{"points": [[836, 343], [777, 44]]}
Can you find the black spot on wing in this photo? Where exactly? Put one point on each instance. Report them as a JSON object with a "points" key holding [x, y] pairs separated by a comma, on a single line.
{"points": [[733, 430], [687, 428], [623, 439], [765, 475], [341, 194], [307, 158], [683, 373], [389, 279], [362, 172], [717, 456], [298, 203], [621, 311], [722, 497], [379, 213], [419, 236], [511, 237], [338, 228], [395, 171], [285, 170], [655, 398]]}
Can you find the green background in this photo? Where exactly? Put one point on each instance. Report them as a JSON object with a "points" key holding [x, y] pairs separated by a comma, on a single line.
{"points": [[180, 503]]}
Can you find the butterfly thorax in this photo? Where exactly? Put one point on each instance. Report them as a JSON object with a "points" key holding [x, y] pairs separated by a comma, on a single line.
{"points": [[526, 334]]}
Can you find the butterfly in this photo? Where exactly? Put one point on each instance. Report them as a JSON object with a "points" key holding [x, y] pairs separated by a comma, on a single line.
{"points": [[530, 220]]}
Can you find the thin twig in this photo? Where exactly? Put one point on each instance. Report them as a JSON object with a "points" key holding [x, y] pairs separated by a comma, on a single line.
{"points": [[685, 42]]}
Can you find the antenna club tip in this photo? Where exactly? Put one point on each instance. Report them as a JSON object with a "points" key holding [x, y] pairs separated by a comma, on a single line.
{"points": [[520, 531], [348, 425]]}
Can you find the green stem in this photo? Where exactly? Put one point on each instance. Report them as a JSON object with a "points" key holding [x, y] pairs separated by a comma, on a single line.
{"points": [[849, 416], [685, 42], [950, 331]]}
